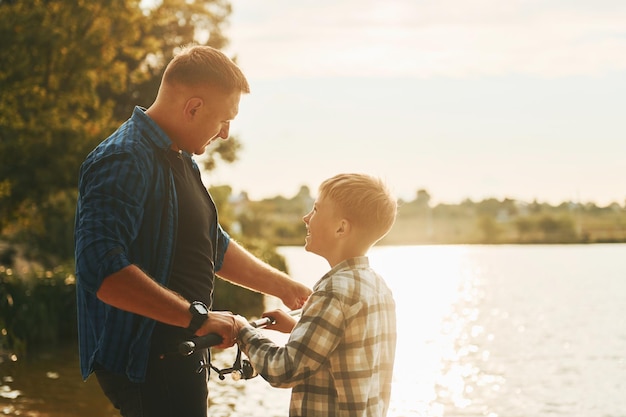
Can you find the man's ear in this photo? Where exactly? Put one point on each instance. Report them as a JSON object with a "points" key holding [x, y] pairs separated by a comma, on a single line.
{"points": [[192, 106]]}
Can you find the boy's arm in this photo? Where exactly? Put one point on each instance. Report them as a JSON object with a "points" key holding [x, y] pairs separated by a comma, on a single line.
{"points": [[313, 339]]}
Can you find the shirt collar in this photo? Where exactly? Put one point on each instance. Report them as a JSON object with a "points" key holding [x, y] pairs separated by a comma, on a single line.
{"points": [[352, 263], [150, 129], [360, 262]]}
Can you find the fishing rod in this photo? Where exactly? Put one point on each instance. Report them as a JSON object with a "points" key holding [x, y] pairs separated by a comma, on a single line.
{"points": [[213, 339], [241, 368]]}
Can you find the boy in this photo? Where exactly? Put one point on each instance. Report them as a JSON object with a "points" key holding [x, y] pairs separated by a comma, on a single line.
{"points": [[339, 357]]}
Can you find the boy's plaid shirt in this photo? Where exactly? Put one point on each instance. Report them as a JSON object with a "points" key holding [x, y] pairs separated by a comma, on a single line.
{"points": [[339, 358]]}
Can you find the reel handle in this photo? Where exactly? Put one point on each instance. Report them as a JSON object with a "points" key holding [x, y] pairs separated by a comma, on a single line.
{"points": [[200, 342], [213, 339]]}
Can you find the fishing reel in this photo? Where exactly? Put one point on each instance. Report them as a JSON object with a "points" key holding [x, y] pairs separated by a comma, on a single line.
{"points": [[241, 369]]}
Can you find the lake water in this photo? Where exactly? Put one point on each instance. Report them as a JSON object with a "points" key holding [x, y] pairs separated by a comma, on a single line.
{"points": [[495, 331]]}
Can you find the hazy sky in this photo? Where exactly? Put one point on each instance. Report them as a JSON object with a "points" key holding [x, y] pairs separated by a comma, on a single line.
{"points": [[466, 99]]}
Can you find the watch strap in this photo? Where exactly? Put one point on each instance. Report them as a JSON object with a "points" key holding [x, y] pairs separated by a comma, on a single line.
{"points": [[197, 317]]}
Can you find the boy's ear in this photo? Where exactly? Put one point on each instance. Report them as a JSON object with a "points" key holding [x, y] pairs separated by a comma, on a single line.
{"points": [[344, 227]]}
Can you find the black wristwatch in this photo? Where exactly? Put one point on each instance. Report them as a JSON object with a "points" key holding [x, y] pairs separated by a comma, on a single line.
{"points": [[199, 314]]}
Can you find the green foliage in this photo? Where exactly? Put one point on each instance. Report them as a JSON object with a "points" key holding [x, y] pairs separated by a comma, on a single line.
{"points": [[492, 221], [240, 300], [557, 229], [230, 297], [278, 219], [221, 195], [490, 228], [506, 221], [71, 72], [46, 232], [36, 311], [227, 150], [53, 55]]}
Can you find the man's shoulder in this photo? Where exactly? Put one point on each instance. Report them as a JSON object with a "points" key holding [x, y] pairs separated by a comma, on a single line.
{"points": [[127, 140]]}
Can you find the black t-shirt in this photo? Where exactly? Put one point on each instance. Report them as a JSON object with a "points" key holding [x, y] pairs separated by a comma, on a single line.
{"points": [[193, 266], [196, 238]]}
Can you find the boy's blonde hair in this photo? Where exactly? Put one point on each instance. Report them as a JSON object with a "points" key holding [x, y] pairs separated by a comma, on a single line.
{"points": [[199, 65], [363, 200]]}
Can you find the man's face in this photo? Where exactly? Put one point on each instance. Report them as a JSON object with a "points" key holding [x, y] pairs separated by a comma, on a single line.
{"points": [[210, 119]]}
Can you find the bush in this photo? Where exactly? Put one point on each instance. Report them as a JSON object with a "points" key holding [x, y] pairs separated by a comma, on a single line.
{"points": [[239, 300], [36, 311]]}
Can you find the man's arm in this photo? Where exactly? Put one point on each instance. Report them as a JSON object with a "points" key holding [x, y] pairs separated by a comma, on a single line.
{"points": [[130, 289], [242, 268]]}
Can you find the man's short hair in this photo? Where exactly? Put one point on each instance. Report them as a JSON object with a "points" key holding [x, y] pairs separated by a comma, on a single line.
{"points": [[199, 65]]}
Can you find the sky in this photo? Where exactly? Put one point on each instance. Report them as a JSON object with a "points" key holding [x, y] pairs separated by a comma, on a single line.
{"points": [[521, 99]]}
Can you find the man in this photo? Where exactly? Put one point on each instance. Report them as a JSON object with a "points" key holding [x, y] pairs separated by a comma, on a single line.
{"points": [[148, 244]]}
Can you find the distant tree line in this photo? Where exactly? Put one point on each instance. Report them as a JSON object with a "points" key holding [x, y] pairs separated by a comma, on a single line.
{"points": [[489, 221], [493, 221]]}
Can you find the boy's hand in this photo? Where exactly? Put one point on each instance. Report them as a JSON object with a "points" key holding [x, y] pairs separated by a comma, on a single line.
{"points": [[240, 322], [282, 321]]}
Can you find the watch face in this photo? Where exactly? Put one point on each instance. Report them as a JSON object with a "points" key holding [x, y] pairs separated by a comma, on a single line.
{"points": [[201, 308]]}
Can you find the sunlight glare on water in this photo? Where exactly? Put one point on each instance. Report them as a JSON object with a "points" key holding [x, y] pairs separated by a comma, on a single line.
{"points": [[428, 283], [502, 331], [426, 295]]}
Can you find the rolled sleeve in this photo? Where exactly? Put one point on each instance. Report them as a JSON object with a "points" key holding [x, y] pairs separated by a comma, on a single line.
{"points": [[109, 216]]}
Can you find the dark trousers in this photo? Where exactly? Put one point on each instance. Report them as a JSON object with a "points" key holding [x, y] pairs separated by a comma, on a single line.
{"points": [[173, 388]]}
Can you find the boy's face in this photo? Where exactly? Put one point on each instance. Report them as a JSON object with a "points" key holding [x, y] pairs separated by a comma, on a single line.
{"points": [[321, 224]]}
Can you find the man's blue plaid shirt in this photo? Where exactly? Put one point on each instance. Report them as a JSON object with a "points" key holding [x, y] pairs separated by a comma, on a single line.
{"points": [[126, 214]]}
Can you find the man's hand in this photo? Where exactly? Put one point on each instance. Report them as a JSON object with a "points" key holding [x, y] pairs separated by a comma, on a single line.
{"points": [[296, 295], [242, 268], [222, 323]]}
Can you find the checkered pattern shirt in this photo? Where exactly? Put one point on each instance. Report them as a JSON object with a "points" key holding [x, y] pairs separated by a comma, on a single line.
{"points": [[339, 357]]}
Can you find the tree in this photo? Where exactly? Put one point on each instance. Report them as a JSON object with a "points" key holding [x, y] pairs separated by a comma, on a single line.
{"points": [[489, 228], [557, 229], [524, 227], [53, 54], [71, 73], [422, 199]]}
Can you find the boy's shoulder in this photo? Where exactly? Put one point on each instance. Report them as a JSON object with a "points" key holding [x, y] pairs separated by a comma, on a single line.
{"points": [[349, 277]]}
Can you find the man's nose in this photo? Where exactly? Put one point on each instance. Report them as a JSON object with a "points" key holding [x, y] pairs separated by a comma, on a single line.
{"points": [[223, 133]]}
